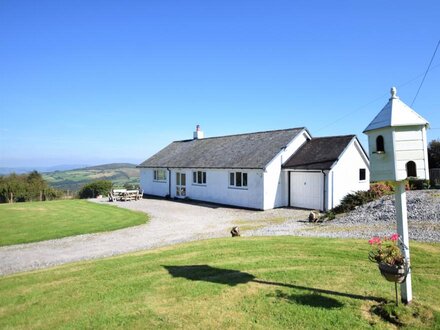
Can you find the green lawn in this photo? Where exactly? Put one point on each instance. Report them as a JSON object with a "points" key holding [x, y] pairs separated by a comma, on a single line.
{"points": [[259, 283], [38, 221]]}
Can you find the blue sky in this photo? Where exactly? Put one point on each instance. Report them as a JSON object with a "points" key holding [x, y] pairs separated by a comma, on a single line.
{"points": [[91, 82]]}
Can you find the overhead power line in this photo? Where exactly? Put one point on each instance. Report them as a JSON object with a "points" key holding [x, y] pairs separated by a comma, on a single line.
{"points": [[429, 66], [349, 114]]}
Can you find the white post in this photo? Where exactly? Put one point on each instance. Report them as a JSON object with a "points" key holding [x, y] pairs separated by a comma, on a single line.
{"points": [[402, 230]]}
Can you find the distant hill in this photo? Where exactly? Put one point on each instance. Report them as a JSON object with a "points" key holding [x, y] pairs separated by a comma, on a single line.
{"points": [[73, 180], [41, 169], [111, 166]]}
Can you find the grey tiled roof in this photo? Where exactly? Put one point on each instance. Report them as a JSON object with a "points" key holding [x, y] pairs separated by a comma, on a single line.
{"points": [[253, 150], [319, 153]]}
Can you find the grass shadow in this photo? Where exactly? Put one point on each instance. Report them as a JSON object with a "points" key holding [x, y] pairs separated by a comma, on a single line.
{"points": [[210, 274], [312, 300], [233, 277], [316, 290]]}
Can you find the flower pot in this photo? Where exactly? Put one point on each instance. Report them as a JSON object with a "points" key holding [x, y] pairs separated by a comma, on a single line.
{"points": [[392, 273]]}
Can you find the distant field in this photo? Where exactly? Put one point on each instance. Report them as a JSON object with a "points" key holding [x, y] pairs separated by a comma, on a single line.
{"points": [[38, 221], [73, 180], [243, 283]]}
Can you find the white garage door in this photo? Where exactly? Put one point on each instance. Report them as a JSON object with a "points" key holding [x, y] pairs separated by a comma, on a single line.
{"points": [[306, 190]]}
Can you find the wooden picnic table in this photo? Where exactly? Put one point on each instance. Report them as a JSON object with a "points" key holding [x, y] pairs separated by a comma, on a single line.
{"points": [[125, 195]]}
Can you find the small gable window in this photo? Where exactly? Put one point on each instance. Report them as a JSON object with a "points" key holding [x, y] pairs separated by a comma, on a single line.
{"points": [[380, 145], [238, 179], [160, 175], [199, 177], [362, 174], [411, 169]]}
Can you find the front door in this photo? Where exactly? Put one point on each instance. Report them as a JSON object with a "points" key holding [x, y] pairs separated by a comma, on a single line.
{"points": [[180, 184]]}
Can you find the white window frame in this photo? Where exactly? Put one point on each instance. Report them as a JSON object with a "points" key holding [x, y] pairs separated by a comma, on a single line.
{"points": [[241, 183], [160, 175], [199, 178]]}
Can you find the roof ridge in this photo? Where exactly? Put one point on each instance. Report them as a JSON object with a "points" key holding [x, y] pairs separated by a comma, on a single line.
{"points": [[222, 136], [333, 136]]}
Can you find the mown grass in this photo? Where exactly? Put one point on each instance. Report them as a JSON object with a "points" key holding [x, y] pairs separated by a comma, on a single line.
{"points": [[243, 283], [38, 221], [246, 225]]}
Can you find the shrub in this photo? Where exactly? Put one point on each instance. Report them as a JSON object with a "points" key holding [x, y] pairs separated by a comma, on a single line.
{"points": [[379, 189], [91, 190], [330, 215], [418, 184], [358, 198], [131, 186], [351, 201]]}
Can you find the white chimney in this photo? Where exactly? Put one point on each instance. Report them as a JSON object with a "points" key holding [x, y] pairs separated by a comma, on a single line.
{"points": [[198, 134]]}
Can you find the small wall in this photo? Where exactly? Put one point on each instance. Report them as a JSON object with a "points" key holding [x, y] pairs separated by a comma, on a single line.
{"points": [[344, 176], [151, 187], [276, 180], [410, 145], [216, 189], [382, 165]]}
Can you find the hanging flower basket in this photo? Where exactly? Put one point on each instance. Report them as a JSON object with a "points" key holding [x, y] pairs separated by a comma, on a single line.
{"points": [[389, 257], [393, 273]]}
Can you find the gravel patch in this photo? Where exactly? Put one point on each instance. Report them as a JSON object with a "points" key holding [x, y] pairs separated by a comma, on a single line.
{"points": [[377, 218]]}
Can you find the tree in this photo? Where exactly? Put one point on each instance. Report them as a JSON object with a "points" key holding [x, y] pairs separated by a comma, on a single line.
{"points": [[91, 190], [26, 187], [36, 186], [434, 154]]}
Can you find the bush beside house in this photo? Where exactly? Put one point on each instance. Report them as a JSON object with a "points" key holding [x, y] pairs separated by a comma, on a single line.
{"points": [[96, 188]]}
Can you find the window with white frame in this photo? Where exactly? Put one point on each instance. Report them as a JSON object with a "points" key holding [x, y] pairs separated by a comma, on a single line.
{"points": [[199, 177], [160, 175], [238, 179], [362, 174]]}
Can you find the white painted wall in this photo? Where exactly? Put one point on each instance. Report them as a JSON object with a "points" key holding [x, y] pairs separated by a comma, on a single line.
{"points": [[410, 145], [276, 180], [382, 165], [402, 144], [215, 190], [151, 187], [343, 178]]}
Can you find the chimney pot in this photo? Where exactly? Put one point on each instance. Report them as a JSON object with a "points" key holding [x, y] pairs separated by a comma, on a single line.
{"points": [[198, 134]]}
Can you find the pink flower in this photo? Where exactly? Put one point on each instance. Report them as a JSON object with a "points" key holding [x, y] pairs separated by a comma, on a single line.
{"points": [[374, 240], [394, 237]]}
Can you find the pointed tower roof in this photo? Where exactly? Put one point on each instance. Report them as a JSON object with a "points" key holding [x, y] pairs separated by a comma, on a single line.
{"points": [[396, 113]]}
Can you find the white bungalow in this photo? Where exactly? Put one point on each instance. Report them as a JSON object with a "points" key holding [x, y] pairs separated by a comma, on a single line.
{"points": [[261, 170]]}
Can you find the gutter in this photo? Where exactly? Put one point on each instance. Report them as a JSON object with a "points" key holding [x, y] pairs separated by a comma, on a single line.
{"points": [[169, 182], [323, 192]]}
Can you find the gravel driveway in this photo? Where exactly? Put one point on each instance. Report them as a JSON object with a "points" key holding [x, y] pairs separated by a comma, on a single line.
{"points": [[171, 222]]}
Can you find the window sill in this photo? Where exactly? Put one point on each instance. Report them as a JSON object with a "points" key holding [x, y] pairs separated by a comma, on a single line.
{"points": [[160, 181], [238, 188], [199, 184]]}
